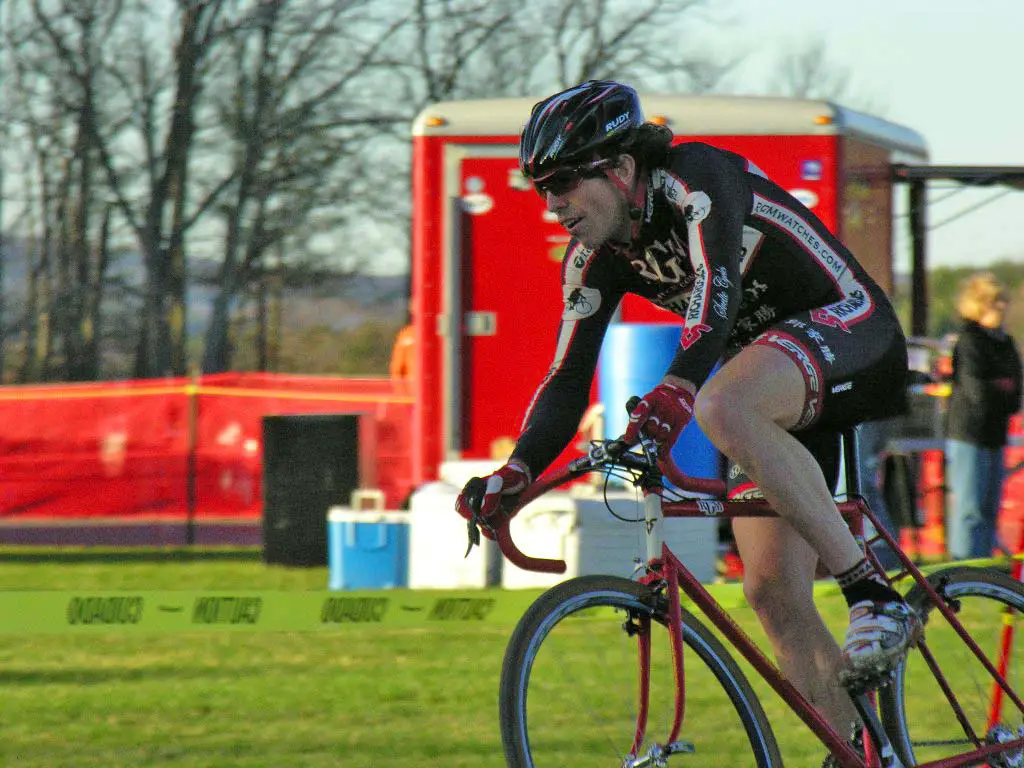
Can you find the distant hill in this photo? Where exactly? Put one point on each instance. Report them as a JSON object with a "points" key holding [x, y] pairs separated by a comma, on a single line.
{"points": [[336, 301]]}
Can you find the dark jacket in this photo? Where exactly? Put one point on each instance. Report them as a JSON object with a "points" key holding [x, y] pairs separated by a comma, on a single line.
{"points": [[986, 386]]}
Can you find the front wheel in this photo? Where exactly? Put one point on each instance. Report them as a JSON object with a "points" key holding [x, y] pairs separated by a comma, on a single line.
{"points": [[920, 720], [570, 679]]}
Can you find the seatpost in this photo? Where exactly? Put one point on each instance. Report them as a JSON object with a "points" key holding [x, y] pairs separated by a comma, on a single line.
{"points": [[851, 461]]}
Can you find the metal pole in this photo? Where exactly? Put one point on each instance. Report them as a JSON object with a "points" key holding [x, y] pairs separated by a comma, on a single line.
{"points": [[919, 269]]}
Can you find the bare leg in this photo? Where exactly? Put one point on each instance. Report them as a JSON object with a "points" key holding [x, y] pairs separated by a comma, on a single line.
{"points": [[778, 583], [745, 410]]}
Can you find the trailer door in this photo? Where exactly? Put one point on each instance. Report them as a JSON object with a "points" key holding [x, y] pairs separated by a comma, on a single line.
{"points": [[508, 254]]}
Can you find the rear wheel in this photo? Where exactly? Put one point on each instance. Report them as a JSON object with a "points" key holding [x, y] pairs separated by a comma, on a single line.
{"points": [[570, 679], [920, 721]]}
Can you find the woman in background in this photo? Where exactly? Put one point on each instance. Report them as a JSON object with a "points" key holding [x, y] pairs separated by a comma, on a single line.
{"points": [[986, 391]]}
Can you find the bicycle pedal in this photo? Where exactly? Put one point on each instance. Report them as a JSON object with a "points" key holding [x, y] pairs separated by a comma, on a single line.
{"points": [[860, 681]]}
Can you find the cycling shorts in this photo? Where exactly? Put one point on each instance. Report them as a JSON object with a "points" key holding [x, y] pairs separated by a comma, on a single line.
{"points": [[851, 374]]}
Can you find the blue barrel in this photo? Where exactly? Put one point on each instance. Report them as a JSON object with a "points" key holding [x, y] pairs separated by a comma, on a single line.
{"points": [[633, 360]]}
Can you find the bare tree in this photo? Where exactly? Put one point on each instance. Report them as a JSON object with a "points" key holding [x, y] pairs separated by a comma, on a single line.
{"points": [[54, 102], [458, 49], [808, 73], [297, 125], [476, 49], [110, 113], [210, 134]]}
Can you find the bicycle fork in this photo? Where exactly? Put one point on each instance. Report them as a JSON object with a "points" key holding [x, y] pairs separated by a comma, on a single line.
{"points": [[657, 755]]}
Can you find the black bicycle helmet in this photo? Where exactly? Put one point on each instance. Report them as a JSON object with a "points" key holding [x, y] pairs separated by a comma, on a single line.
{"points": [[574, 126]]}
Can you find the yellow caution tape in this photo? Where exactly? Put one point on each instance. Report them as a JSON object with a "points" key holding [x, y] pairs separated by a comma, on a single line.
{"points": [[252, 611], [51, 612]]}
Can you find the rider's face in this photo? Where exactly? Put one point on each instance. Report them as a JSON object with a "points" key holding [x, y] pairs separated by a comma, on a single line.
{"points": [[593, 211]]}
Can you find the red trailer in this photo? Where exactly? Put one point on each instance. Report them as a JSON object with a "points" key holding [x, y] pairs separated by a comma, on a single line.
{"points": [[486, 255]]}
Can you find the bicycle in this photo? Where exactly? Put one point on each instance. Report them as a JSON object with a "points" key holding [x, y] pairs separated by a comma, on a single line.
{"points": [[947, 704]]}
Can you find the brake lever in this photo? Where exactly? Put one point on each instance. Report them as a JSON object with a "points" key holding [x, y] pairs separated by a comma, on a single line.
{"points": [[473, 534], [474, 491]]}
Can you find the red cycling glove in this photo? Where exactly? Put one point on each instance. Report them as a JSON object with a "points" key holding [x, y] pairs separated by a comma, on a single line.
{"points": [[509, 480], [661, 415]]}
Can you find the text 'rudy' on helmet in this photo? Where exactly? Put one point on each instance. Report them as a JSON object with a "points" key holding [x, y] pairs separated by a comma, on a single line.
{"points": [[577, 124]]}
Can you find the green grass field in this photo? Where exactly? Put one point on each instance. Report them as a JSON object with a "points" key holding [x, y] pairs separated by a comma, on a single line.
{"points": [[358, 696]]}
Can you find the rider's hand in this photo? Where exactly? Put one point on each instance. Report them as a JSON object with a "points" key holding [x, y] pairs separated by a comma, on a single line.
{"points": [[509, 480], [661, 415]]}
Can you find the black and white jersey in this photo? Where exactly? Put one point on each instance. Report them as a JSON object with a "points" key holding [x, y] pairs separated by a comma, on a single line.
{"points": [[733, 255]]}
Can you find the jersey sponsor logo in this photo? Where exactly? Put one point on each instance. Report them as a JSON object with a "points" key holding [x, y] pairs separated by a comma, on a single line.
{"points": [[722, 282], [751, 243], [825, 317], [696, 207], [692, 333], [721, 304], [803, 233], [812, 376], [580, 301], [675, 302], [855, 303], [855, 306], [697, 310], [846, 386], [576, 262], [672, 187], [611, 125], [664, 270], [815, 335]]}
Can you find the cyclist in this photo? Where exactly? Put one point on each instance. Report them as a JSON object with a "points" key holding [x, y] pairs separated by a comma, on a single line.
{"points": [[810, 345]]}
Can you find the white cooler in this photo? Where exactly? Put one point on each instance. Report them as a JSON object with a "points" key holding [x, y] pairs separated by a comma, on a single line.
{"points": [[574, 526], [577, 527], [437, 544]]}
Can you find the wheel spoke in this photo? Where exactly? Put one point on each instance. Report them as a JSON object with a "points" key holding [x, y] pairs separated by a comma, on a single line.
{"points": [[929, 716], [570, 686]]}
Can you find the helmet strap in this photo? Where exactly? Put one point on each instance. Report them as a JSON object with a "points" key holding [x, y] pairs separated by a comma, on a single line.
{"points": [[634, 196]]}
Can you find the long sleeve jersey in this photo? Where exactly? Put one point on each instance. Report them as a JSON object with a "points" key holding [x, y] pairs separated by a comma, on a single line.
{"points": [[721, 246]]}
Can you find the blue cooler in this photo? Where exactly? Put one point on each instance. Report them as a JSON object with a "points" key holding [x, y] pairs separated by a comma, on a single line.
{"points": [[367, 550]]}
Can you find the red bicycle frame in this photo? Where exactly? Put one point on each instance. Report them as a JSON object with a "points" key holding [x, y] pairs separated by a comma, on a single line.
{"points": [[664, 568]]}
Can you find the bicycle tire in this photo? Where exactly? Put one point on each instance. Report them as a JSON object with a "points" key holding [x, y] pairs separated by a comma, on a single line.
{"points": [[556, 738], [913, 708]]}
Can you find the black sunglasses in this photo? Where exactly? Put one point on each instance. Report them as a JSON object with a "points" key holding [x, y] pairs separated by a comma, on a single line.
{"points": [[565, 180]]}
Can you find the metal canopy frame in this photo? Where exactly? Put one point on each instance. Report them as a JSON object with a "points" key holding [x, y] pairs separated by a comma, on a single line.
{"points": [[916, 177]]}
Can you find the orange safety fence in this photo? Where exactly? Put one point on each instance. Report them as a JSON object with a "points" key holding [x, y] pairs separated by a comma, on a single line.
{"points": [[1011, 509], [930, 540], [177, 447]]}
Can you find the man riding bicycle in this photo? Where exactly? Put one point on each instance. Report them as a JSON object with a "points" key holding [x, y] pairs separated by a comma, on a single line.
{"points": [[809, 345]]}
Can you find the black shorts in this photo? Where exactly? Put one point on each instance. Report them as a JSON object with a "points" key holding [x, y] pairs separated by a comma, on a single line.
{"points": [[851, 373]]}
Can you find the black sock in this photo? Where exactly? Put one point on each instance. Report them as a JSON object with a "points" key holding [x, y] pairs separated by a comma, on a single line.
{"points": [[862, 583]]}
